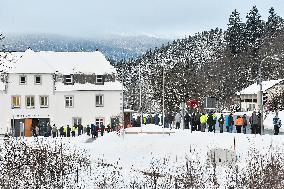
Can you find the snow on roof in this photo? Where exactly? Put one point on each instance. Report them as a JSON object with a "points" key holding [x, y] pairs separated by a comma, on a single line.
{"points": [[254, 88], [63, 62], [108, 86], [8, 60]]}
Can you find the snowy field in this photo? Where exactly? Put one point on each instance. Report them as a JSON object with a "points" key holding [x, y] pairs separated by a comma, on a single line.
{"points": [[130, 159]]}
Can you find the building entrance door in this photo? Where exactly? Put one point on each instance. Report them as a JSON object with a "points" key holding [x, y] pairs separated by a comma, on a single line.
{"points": [[28, 129]]}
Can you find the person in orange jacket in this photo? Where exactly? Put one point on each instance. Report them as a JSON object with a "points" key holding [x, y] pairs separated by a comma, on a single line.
{"points": [[239, 122]]}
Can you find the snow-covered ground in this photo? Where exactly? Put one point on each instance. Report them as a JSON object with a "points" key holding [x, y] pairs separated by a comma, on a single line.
{"points": [[137, 151]]}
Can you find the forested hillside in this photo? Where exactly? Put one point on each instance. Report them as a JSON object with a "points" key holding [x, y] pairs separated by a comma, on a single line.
{"points": [[211, 63]]}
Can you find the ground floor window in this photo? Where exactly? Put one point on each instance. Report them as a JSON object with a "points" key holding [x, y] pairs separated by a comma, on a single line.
{"points": [[77, 121], [251, 107], [99, 121]]}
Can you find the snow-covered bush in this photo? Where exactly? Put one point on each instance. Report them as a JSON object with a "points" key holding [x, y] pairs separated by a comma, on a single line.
{"points": [[40, 163], [263, 170]]}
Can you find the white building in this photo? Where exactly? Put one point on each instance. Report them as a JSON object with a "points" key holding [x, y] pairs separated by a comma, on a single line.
{"points": [[61, 88], [248, 96]]}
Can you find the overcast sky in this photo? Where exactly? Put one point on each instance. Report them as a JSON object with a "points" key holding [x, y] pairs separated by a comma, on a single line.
{"points": [[89, 18]]}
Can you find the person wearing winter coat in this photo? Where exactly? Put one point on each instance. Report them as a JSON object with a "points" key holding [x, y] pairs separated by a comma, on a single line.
{"points": [[239, 123], [221, 122], [49, 130], [88, 130], [197, 121], [193, 122], [108, 128], [214, 121], [73, 131], [65, 131], [68, 131], [178, 120], [231, 122], [203, 120], [277, 124], [97, 130], [157, 119], [245, 123], [61, 131], [54, 131], [102, 129], [227, 123], [80, 129], [258, 130], [210, 122], [186, 121], [93, 130], [254, 123], [149, 118]]}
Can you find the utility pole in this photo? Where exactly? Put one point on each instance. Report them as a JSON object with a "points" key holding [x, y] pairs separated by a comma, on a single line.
{"points": [[122, 118], [163, 98], [260, 98], [140, 97]]}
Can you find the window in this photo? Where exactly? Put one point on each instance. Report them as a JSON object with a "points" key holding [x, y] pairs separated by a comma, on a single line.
{"points": [[99, 100], [43, 101], [99, 121], [23, 80], [37, 79], [77, 120], [68, 79], [16, 102], [99, 79], [251, 107], [30, 101], [69, 101]]}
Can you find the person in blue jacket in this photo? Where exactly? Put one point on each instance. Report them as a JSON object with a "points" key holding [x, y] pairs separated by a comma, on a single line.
{"points": [[227, 123], [277, 124], [93, 130], [157, 119]]}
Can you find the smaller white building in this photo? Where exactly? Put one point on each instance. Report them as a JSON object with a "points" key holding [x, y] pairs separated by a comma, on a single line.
{"points": [[248, 96], [61, 88]]}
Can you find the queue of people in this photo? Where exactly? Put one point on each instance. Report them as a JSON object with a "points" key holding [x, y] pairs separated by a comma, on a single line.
{"points": [[92, 130], [209, 121]]}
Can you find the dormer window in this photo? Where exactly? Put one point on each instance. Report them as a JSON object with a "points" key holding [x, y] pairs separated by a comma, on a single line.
{"points": [[99, 79], [37, 79], [68, 79], [23, 80]]}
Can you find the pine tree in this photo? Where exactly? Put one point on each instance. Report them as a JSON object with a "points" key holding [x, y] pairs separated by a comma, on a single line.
{"points": [[235, 33], [254, 31], [274, 23]]}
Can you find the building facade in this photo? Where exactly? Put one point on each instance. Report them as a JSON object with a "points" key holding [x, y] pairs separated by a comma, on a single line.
{"points": [[248, 96], [61, 88]]}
